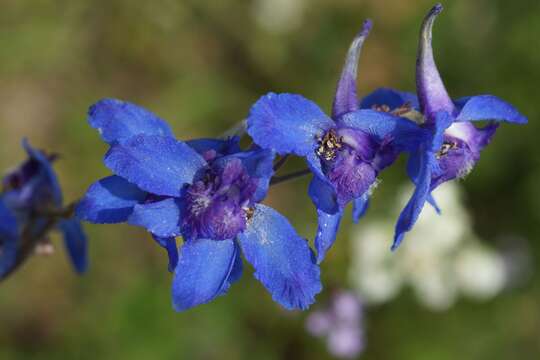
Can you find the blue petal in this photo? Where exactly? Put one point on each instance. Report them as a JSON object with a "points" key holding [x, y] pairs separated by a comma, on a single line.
{"points": [[403, 132], [169, 244], [8, 238], [315, 165], [220, 146], [360, 206], [109, 200], [259, 165], [346, 99], [412, 210], [47, 175], [161, 218], [238, 268], [203, 272], [392, 98], [76, 243], [420, 168], [488, 107], [118, 121], [282, 260], [328, 225], [323, 195], [413, 169], [158, 164], [287, 123], [442, 121]]}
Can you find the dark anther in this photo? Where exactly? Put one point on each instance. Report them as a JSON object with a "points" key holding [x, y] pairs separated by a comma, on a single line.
{"points": [[329, 145], [249, 213], [445, 149]]}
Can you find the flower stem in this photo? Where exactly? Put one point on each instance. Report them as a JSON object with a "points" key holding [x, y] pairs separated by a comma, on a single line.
{"points": [[280, 162], [279, 179]]}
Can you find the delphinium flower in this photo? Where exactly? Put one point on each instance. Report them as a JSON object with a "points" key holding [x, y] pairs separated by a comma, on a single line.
{"points": [[31, 206], [438, 272], [345, 152], [208, 191], [341, 324], [455, 144]]}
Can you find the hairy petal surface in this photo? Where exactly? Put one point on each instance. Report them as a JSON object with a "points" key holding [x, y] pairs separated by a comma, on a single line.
{"points": [[118, 121], [160, 165], [109, 200], [282, 260], [203, 272], [287, 123]]}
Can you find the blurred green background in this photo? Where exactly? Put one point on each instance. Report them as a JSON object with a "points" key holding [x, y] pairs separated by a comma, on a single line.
{"points": [[200, 64]]}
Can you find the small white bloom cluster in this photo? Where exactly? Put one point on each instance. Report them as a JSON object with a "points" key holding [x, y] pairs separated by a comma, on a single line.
{"points": [[440, 259]]}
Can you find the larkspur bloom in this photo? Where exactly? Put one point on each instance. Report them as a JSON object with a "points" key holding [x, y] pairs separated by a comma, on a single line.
{"points": [[455, 143], [208, 191], [30, 206], [345, 152]]}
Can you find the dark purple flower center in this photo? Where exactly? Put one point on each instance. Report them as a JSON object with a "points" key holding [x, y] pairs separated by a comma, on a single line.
{"points": [[455, 160], [351, 160], [460, 151], [219, 203]]}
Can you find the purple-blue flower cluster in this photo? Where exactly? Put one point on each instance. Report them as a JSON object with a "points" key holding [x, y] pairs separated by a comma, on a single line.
{"points": [[31, 206], [210, 191]]}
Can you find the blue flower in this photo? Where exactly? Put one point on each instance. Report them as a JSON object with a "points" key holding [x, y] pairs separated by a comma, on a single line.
{"points": [[208, 191], [30, 206], [455, 143], [345, 152]]}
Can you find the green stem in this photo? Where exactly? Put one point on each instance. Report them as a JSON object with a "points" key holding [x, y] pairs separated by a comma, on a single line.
{"points": [[279, 179], [280, 162]]}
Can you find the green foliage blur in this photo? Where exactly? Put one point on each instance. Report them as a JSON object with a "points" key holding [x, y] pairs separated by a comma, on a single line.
{"points": [[199, 64]]}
